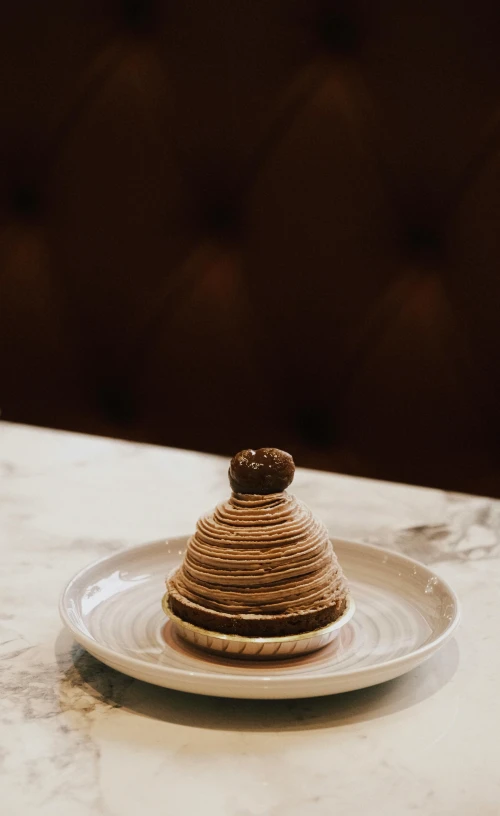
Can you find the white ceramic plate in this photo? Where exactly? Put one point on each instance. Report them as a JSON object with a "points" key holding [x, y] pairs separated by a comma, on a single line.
{"points": [[404, 614]]}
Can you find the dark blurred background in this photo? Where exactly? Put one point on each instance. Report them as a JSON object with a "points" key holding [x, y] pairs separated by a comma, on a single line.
{"points": [[264, 222]]}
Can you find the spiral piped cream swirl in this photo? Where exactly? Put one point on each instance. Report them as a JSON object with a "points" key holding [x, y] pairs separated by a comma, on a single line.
{"points": [[262, 555]]}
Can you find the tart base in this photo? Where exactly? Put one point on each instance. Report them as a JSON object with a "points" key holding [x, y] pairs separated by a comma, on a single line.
{"points": [[254, 626], [258, 648]]}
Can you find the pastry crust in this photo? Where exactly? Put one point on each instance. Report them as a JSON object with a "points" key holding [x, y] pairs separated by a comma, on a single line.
{"points": [[253, 625]]}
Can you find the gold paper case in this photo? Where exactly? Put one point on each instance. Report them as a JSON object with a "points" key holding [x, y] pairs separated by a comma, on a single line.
{"points": [[272, 648]]}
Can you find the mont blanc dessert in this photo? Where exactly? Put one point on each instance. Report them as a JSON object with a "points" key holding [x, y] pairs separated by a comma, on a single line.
{"points": [[259, 565]]}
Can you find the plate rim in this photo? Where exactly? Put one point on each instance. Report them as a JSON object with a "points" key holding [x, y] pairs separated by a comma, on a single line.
{"points": [[92, 645]]}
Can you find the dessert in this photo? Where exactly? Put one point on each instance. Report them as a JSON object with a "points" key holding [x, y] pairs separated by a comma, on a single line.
{"points": [[260, 565]]}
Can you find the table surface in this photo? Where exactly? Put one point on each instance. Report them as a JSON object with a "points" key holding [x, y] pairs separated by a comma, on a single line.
{"points": [[79, 739]]}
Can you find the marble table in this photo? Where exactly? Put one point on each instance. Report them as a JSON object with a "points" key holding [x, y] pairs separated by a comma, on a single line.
{"points": [[78, 739]]}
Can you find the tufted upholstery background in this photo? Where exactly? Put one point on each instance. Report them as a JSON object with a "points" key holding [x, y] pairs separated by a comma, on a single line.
{"points": [[227, 223]]}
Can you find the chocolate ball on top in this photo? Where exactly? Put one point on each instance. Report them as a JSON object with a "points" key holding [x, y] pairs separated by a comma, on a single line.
{"points": [[261, 472]]}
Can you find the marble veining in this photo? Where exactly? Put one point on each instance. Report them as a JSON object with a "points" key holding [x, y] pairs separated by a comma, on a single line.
{"points": [[79, 739]]}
